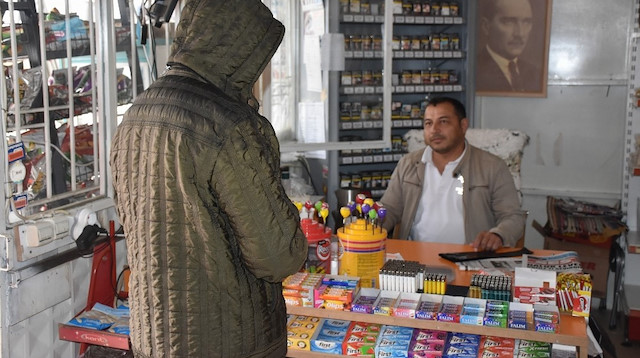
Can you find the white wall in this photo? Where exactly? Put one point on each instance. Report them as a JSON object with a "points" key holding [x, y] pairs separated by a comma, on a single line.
{"points": [[577, 133], [576, 146]]}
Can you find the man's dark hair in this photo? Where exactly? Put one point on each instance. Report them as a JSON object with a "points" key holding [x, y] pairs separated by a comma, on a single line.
{"points": [[458, 107]]}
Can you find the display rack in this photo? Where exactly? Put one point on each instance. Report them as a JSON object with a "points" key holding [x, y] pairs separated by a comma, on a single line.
{"points": [[572, 330], [568, 333], [429, 57]]}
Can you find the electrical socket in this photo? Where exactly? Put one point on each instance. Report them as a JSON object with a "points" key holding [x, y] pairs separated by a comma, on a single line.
{"points": [[83, 218], [45, 231]]}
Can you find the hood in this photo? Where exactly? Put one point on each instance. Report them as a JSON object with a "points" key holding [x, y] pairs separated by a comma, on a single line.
{"points": [[227, 42]]}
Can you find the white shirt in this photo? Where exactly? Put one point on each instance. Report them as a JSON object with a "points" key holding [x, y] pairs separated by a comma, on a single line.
{"points": [[503, 63], [439, 217]]}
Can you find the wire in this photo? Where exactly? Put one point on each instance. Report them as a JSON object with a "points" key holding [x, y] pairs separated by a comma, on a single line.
{"points": [[302, 159], [64, 156]]}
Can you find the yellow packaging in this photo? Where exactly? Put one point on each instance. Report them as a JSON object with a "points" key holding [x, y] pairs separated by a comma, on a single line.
{"points": [[300, 330], [363, 245]]}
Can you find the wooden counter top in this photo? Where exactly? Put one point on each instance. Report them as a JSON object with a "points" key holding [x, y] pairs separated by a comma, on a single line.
{"points": [[427, 253]]}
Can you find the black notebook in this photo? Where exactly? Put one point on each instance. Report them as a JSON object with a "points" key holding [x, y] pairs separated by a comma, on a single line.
{"points": [[479, 255]]}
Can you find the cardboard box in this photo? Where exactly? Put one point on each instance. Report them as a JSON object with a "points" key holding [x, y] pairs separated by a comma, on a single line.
{"points": [[594, 259]]}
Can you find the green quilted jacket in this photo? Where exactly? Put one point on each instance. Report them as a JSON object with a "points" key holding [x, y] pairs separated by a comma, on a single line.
{"points": [[210, 232]]}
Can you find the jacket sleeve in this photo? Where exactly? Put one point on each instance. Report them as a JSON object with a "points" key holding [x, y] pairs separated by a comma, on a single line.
{"points": [[510, 219], [393, 200], [263, 220]]}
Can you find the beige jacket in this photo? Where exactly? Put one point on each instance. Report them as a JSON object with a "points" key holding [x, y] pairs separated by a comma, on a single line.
{"points": [[490, 199]]}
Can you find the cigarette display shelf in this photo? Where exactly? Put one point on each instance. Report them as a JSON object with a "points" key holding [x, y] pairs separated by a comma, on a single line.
{"points": [[429, 57], [566, 333], [408, 54], [395, 123], [403, 19], [401, 89], [370, 159]]}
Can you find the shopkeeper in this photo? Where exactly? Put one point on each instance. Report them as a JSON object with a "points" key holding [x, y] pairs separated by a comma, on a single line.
{"points": [[451, 191]]}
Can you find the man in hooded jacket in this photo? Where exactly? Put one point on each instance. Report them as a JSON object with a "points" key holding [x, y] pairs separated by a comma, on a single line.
{"points": [[210, 231]]}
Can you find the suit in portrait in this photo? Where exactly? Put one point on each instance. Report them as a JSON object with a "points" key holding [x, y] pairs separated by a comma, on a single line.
{"points": [[489, 77]]}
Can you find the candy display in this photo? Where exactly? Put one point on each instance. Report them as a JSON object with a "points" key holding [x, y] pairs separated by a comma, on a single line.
{"points": [[353, 338], [573, 293], [299, 332], [362, 239], [318, 235]]}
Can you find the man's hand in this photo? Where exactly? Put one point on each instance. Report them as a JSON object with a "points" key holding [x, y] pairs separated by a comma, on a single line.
{"points": [[487, 241]]}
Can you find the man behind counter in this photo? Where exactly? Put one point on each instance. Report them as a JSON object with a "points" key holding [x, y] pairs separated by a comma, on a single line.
{"points": [[451, 191]]}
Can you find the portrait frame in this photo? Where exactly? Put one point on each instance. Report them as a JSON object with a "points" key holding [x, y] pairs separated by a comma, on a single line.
{"points": [[489, 79]]}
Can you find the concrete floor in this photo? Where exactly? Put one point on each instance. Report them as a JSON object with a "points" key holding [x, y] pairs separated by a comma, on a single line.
{"points": [[614, 337]]}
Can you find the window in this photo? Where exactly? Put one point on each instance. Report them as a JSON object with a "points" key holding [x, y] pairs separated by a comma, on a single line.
{"points": [[56, 107]]}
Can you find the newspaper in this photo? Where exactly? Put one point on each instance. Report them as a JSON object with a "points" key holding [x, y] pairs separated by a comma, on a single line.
{"points": [[566, 261]]}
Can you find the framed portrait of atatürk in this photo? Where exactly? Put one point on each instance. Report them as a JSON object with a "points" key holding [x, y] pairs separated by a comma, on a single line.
{"points": [[512, 50]]}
